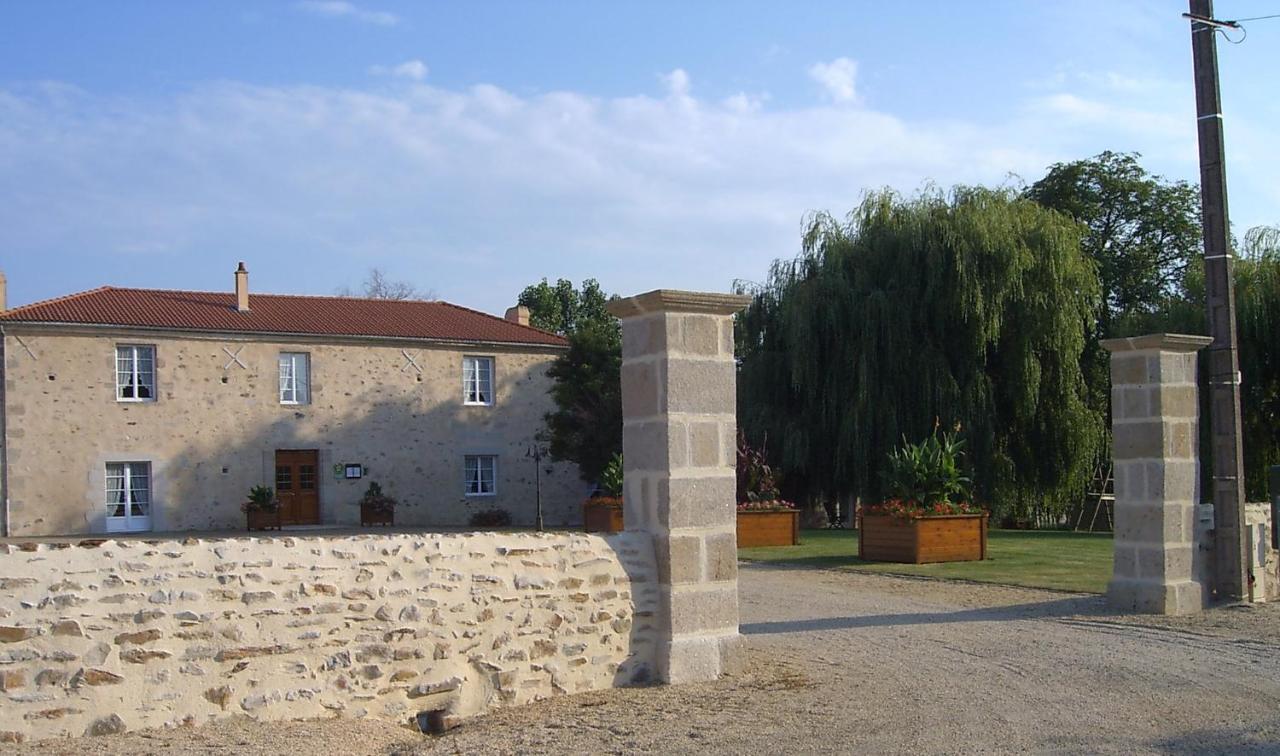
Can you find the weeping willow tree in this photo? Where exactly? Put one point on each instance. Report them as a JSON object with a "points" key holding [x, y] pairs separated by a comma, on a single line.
{"points": [[965, 310], [1256, 271]]}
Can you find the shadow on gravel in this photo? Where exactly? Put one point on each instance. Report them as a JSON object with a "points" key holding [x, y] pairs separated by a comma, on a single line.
{"points": [[1260, 737], [1066, 607]]}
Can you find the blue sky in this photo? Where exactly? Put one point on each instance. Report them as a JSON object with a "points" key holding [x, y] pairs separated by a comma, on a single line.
{"points": [[472, 149]]}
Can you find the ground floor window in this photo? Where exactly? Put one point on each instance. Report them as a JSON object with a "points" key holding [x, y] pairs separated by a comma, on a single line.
{"points": [[128, 496], [481, 475]]}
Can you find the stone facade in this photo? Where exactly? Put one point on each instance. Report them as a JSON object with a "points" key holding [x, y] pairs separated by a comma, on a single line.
{"points": [[394, 406], [680, 455], [100, 636], [1264, 561], [1160, 565]]}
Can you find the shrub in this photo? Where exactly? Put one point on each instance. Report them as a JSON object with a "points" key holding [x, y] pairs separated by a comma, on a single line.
{"points": [[611, 478], [261, 499], [491, 518], [375, 500], [926, 479]]}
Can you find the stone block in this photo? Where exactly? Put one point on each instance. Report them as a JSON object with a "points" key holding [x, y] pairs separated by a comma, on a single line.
{"points": [[12, 679], [704, 445], [679, 558], [1138, 440], [703, 609], [1132, 402], [656, 446], [641, 389], [698, 386], [1170, 481], [696, 502], [10, 634], [690, 660], [721, 556], [1178, 401], [1178, 439], [700, 335], [1130, 369]]}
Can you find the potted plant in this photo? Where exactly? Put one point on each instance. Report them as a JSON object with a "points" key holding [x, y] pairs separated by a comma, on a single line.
{"points": [[262, 510], [927, 517], [602, 512], [764, 517], [377, 508]]}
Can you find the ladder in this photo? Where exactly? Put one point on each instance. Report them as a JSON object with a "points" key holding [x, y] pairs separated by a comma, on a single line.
{"points": [[1099, 500]]}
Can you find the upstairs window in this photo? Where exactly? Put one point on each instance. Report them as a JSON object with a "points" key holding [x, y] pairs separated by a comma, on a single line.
{"points": [[477, 380], [135, 373], [481, 475], [295, 378]]}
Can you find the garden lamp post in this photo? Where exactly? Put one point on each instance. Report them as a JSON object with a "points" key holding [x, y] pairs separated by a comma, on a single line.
{"points": [[536, 453]]}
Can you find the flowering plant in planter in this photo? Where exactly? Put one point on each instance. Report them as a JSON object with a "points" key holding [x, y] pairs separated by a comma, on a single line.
{"points": [[773, 505], [609, 492], [926, 480]]}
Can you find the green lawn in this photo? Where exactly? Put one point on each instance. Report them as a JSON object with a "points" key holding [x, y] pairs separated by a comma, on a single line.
{"points": [[1040, 559]]}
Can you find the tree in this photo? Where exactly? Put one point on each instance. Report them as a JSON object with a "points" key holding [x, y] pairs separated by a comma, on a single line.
{"points": [[586, 427], [377, 285], [563, 309], [1256, 270], [966, 311], [1141, 230]]}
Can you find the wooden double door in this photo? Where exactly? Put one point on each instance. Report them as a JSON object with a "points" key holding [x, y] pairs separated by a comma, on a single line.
{"points": [[298, 486]]}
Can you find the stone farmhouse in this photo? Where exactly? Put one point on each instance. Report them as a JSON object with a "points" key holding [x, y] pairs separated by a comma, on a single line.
{"points": [[125, 410]]}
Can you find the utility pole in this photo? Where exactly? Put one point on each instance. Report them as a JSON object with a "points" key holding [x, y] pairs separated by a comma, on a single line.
{"points": [[1230, 550]]}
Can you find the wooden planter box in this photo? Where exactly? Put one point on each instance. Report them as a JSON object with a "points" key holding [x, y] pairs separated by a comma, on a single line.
{"points": [[601, 519], [768, 528], [370, 516], [949, 538], [257, 519]]}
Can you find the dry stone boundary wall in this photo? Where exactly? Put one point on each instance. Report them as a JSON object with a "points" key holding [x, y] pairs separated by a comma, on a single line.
{"points": [[104, 636]]}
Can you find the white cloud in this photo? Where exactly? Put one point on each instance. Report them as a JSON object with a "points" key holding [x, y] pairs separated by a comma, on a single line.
{"points": [[410, 69], [838, 78], [476, 192], [677, 82], [343, 9]]}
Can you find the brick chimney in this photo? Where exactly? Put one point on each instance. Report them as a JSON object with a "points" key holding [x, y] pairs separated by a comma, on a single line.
{"points": [[518, 314], [4, 293], [242, 288]]}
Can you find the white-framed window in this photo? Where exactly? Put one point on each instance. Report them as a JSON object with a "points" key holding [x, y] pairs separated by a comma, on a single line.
{"points": [[135, 373], [295, 378], [128, 496], [481, 475], [477, 380]]}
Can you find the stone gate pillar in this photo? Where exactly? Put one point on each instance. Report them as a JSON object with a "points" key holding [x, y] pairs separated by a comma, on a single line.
{"points": [[1154, 409], [679, 433]]}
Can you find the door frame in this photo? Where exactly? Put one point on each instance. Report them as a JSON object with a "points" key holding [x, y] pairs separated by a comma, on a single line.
{"points": [[274, 463]]}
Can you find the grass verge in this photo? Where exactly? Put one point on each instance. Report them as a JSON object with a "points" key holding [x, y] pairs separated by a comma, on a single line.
{"points": [[1036, 559]]}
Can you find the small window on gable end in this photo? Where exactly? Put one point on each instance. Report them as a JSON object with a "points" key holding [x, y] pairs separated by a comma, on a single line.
{"points": [[477, 380]]}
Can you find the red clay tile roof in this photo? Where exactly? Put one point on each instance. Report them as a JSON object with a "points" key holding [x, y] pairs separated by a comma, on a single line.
{"points": [[278, 313]]}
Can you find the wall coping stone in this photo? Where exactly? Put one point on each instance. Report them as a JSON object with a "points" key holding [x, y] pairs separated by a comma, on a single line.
{"points": [[1165, 342], [673, 300]]}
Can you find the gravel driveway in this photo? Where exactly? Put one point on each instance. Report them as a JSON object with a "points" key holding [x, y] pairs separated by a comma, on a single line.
{"points": [[847, 662]]}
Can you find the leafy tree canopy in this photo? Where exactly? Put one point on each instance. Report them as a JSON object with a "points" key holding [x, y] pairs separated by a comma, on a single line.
{"points": [[586, 427], [563, 309], [1141, 230], [966, 309]]}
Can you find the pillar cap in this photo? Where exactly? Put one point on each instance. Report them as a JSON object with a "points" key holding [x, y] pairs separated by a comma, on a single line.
{"points": [[1163, 342], [672, 300]]}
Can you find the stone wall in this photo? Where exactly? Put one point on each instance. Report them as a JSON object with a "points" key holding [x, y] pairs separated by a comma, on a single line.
{"points": [[103, 636], [212, 431]]}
